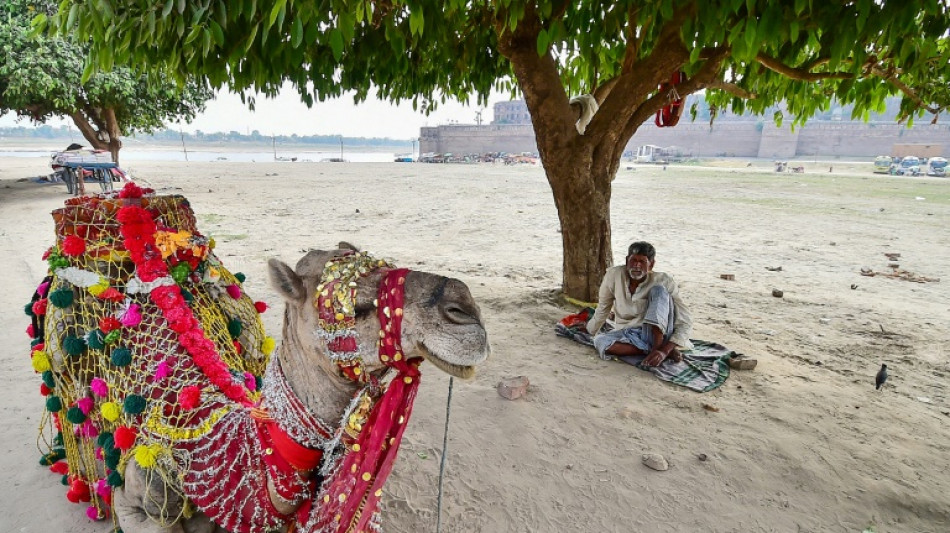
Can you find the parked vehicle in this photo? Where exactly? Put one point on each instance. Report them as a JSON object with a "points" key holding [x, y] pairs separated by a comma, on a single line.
{"points": [[909, 166], [882, 164], [938, 167]]}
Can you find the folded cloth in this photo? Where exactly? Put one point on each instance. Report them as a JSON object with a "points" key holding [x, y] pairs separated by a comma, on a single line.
{"points": [[704, 368]]}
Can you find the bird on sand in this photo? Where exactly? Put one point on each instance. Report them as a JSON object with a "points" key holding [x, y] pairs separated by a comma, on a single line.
{"points": [[881, 377]]}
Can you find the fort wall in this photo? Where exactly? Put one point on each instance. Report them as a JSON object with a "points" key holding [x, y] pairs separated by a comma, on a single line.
{"points": [[722, 139]]}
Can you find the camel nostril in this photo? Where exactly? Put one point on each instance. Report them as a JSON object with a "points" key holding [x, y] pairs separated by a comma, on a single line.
{"points": [[459, 315]]}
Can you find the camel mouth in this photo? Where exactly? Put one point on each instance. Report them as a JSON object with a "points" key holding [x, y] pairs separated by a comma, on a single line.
{"points": [[452, 369]]}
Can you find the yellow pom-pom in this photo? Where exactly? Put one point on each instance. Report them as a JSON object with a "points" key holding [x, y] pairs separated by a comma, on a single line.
{"points": [[40, 361], [100, 287], [211, 243], [268, 345], [110, 411], [146, 456]]}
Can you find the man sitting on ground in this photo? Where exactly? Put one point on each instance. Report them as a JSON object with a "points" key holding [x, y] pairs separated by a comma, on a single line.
{"points": [[649, 317]]}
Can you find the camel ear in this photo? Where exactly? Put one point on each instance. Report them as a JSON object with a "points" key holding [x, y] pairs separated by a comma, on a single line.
{"points": [[286, 281]]}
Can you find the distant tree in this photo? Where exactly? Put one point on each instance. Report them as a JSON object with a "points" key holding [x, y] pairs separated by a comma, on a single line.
{"points": [[43, 78], [746, 54]]}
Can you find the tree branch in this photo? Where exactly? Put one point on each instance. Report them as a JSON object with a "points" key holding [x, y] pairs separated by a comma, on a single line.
{"points": [[538, 78], [89, 132], [732, 89], [907, 90], [799, 74], [668, 55], [707, 74]]}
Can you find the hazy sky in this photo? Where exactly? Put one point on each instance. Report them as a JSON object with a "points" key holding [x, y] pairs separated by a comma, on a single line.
{"points": [[286, 115]]}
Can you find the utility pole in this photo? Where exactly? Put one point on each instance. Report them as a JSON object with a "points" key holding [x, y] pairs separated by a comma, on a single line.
{"points": [[478, 117], [341, 148], [183, 149], [273, 139]]}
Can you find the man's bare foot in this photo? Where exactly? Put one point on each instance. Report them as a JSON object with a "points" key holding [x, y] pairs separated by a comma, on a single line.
{"points": [[675, 356]]}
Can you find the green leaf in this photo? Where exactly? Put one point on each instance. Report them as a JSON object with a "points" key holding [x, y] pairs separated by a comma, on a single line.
{"points": [[71, 19], [336, 43], [216, 33], [250, 39], [296, 33], [416, 21], [543, 41], [181, 7], [169, 4], [274, 12]]}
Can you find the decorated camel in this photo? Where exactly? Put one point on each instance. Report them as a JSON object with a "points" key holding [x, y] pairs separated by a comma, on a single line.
{"points": [[165, 410]]}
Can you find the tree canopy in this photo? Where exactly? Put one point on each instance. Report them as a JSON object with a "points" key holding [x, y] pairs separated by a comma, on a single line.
{"points": [[746, 54], [43, 78]]}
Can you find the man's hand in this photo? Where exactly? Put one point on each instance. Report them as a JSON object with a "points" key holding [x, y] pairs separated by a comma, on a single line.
{"points": [[655, 358]]}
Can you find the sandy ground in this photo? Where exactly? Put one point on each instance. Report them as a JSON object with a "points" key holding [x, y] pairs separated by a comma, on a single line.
{"points": [[802, 443]]}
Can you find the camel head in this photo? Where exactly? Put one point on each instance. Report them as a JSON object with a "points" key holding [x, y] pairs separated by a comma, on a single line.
{"points": [[441, 322]]}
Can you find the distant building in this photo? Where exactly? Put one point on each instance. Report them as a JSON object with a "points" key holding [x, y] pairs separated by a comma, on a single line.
{"points": [[513, 112]]}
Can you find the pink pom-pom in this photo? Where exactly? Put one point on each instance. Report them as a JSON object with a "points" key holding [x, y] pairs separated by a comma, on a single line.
{"points": [[102, 487], [31, 331], [249, 381], [85, 405], [41, 290], [132, 316], [88, 430], [162, 371], [100, 455], [99, 387], [93, 513], [189, 397], [234, 291]]}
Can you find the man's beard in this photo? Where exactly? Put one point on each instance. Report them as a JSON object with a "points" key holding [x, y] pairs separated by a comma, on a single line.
{"points": [[636, 275]]}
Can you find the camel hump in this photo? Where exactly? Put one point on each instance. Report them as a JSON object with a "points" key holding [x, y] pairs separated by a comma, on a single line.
{"points": [[343, 245]]}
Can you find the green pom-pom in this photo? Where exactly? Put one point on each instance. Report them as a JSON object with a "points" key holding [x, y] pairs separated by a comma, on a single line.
{"points": [[75, 415], [74, 346], [240, 277], [53, 456], [187, 296], [96, 339], [121, 356], [103, 438], [56, 261], [133, 404], [61, 298], [37, 340], [65, 479], [29, 309], [180, 272], [58, 439], [235, 327], [113, 336], [111, 458], [48, 379], [54, 404], [115, 480], [259, 382]]}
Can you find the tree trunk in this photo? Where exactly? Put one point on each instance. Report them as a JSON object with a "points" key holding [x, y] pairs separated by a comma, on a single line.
{"points": [[99, 138], [582, 196], [580, 177]]}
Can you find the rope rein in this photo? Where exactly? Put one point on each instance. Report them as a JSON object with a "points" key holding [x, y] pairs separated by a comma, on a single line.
{"points": [[445, 444]]}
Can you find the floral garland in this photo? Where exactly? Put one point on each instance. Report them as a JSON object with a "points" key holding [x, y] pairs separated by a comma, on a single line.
{"points": [[138, 228]]}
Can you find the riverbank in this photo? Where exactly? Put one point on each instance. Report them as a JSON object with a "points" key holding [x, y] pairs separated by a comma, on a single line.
{"points": [[802, 443]]}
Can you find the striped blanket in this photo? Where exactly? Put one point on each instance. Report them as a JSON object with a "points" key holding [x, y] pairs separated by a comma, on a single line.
{"points": [[704, 368]]}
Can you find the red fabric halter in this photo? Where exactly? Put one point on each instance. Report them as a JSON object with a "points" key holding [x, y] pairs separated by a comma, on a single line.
{"points": [[351, 496], [669, 115]]}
